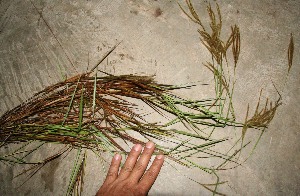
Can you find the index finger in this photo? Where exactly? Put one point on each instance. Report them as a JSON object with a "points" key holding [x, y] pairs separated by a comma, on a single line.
{"points": [[150, 176]]}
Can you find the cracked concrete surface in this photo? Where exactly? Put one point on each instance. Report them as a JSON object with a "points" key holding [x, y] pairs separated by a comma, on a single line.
{"points": [[157, 38]]}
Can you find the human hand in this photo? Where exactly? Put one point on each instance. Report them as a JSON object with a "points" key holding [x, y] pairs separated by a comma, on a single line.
{"points": [[132, 179]]}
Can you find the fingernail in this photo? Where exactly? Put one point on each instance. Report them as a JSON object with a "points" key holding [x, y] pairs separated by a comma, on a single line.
{"points": [[160, 156], [137, 147], [149, 145], [117, 157]]}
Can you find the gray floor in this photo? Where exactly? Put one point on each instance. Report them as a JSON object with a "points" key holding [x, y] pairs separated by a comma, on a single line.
{"points": [[157, 38]]}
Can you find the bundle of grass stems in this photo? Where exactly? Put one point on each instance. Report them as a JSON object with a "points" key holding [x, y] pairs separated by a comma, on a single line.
{"points": [[101, 113]]}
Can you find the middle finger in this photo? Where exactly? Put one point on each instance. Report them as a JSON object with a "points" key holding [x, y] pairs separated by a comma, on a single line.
{"points": [[142, 163]]}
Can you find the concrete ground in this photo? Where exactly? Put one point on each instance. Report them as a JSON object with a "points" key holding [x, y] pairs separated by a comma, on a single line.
{"points": [[157, 38]]}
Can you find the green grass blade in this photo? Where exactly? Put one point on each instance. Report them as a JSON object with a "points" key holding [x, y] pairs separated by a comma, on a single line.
{"points": [[74, 173], [81, 108], [71, 102]]}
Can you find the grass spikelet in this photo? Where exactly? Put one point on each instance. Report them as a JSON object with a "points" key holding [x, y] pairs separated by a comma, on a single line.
{"points": [[290, 53], [236, 44]]}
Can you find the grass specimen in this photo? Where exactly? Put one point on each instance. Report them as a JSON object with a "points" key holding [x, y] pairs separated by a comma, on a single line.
{"points": [[96, 112]]}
